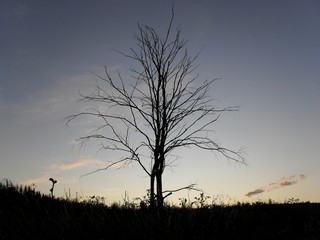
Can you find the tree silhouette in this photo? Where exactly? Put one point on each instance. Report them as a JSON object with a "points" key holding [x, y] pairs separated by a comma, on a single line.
{"points": [[160, 109]]}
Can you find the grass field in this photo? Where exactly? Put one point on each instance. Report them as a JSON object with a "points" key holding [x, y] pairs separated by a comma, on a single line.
{"points": [[28, 214]]}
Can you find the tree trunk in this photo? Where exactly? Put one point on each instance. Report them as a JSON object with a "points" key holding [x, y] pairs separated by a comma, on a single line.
{"points": [[159, 191], [152, 194]]}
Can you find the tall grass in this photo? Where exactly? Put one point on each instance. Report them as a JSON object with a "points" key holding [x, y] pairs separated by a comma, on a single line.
{"points": [[28, 214]]}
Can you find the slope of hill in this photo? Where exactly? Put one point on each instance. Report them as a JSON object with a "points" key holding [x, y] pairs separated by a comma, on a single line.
{"points": [[28, 214]]}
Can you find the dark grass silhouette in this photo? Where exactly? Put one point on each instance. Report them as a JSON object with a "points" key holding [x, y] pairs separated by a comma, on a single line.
{"points": [[28, 214]]}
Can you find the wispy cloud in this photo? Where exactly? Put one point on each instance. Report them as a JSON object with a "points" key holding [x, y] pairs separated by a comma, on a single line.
{"points": [[37, 180], [282, 182], [76, 163], [57, 102], [58, 168], [285, 181]]}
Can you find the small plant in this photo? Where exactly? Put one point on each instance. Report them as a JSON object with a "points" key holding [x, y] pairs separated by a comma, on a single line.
{"points": [[201, 201], [53, 183], [292, 200], [144, 201], [95, 200], [183, 202], [127, 203]]}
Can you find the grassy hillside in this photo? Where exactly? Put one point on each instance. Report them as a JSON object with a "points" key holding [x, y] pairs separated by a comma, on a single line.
{"points": [[27, 214]]}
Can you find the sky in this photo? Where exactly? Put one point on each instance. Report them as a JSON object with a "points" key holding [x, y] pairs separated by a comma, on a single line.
{"points": [[267, 54]]}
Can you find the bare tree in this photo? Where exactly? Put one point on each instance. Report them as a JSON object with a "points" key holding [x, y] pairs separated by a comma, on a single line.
{"points": [[163, 108]]}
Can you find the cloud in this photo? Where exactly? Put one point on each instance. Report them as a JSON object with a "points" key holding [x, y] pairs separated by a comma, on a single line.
{"points": [[58, 168], [257, 191], [55, 102], [302, 176], [76, 163], [37, 180], [282, 182], [287, 183]]}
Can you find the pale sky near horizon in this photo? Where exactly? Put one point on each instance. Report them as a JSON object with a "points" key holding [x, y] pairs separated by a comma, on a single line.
{"points": [[267, 54]]}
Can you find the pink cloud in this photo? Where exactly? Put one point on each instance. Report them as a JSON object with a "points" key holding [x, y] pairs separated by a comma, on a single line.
{"points": [[282, 182], [76, 163], [37, 180]]}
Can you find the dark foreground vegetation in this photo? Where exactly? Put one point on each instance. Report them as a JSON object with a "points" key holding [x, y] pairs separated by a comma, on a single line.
{"points": [[28, 214]]}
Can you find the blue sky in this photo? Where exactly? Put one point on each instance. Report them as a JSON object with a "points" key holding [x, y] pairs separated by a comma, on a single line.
{"points": [[266, 52]]}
